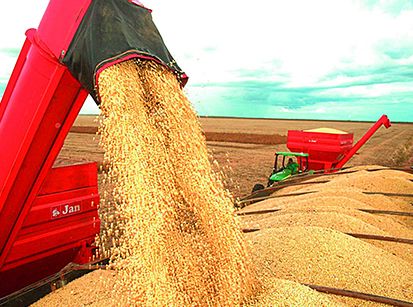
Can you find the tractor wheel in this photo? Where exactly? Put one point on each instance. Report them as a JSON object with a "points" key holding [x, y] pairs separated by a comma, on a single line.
{"points": [[258, 187]]}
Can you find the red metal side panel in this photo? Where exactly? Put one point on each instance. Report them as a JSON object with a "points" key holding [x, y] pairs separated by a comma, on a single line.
{"points": [[70, 177], [24, 113], [55, 206], [29, 272], [45, 238], [59, 227], [60, 22], [67, 214]]}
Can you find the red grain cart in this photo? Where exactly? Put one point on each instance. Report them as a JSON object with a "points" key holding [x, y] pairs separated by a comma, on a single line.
{"points": [[49, 216], [329, 151]]}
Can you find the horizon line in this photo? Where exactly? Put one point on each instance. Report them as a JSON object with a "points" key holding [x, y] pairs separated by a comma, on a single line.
{"points": [[288, 119]]}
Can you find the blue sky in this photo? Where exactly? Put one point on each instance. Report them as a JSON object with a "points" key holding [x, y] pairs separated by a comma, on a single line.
{"points": [[349, 60]]}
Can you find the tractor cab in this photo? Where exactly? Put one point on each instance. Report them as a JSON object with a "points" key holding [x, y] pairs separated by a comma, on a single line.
{"points": [[287, 164]]}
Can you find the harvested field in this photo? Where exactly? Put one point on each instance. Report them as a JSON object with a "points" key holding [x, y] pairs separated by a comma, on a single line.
{"points": [[252, 164], [245, 138], [80, 148]]}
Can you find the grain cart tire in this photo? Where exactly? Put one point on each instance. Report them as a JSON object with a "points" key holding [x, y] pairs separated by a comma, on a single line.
{"points": [[258, 187]]}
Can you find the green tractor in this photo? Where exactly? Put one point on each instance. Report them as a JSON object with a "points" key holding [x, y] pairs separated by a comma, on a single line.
{"points": [[283, 169]]}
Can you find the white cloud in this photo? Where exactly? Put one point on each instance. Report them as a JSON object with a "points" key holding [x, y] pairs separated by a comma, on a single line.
{"points": [[301, 43], [89, 107], [15, 18], [309, 38], [18, 16], [373, 90], [7, 63]]}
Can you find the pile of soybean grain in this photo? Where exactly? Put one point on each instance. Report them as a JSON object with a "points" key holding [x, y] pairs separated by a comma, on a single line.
{"points": [[333, 220], [382, 180], [326, 130], [93, 289], [390, 181], [330, 258], [351, 187], [344, 198], [316, 200], [174, 238], [385, 223], [282, 292], [345, 223], [264, 260], [336, 208], [357, 198]]}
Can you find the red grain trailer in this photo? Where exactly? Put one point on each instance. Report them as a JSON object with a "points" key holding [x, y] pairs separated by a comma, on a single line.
{"points": [[49, 216], [329, 150], [324, 149]]}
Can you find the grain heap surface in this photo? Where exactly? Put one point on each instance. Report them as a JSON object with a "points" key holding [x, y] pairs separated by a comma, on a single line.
{"points": [[345, 221], [386, 223], [357, 198], [326, 257], [382, 181], [93, 289], [335, 206], [281, 292], [351, 187], [174, 238], [333, 220], [327, 130]]}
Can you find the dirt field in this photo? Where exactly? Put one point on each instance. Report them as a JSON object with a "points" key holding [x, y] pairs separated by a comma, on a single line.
{"points": [[244, 148]]}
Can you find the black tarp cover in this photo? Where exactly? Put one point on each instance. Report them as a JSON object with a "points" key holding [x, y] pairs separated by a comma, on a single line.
{"points": [[112, 31]]}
